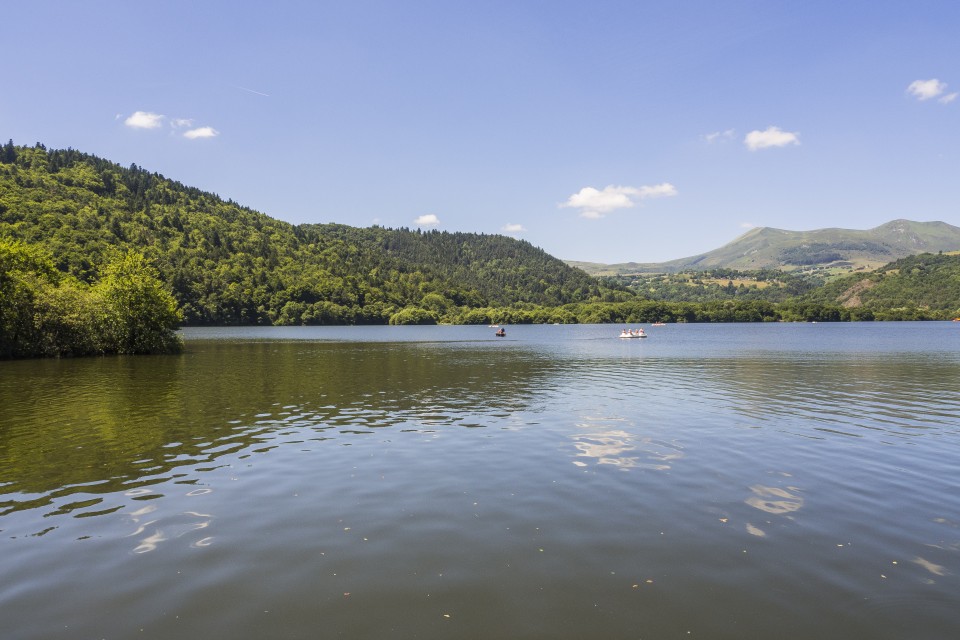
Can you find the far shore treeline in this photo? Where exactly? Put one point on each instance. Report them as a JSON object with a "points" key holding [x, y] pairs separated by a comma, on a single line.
{"points": [[96, 258]]}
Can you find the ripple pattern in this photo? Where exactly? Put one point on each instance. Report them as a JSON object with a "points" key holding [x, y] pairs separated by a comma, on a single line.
{"points": [[609, 486]]}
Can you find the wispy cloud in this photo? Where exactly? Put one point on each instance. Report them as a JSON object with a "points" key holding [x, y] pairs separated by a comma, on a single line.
{"points": [[259, 93], [771, 137], [512, 228], [719, 136], [927, 89], [595, 203], [947, 99], [747, 225], [144, 120], [177, 123], [201, 132], [427, 220]]}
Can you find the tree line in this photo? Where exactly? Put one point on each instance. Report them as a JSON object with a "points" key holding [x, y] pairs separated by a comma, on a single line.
{"points": [[91, 250]]}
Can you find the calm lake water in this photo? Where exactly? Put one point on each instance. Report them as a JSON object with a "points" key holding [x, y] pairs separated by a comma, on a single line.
{"points": [[712, 481]]}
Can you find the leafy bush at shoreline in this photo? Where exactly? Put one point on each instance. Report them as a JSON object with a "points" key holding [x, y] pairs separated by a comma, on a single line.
{"points": [[45, 313]]}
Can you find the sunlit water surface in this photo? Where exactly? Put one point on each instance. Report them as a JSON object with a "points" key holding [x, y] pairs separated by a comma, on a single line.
{"points": [[711, 481]]}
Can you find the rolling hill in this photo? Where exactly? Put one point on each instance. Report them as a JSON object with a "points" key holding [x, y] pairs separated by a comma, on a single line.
{"points": [[925, 281], [228, 264], [766, 247]]}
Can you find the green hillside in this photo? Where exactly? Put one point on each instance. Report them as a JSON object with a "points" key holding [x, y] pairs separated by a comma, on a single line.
{"points": [[840, 249], [228, 264], [920, 285], [770, 285]]}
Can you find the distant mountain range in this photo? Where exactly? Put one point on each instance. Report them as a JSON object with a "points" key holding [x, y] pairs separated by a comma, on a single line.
{"points": [[765, 247]]}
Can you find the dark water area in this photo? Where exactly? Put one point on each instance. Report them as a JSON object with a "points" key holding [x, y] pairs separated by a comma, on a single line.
{"points": [[712, 481]]}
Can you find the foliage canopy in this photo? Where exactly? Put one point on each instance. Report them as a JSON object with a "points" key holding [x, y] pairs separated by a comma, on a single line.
{"points": [[46, 313], [228, 264]]}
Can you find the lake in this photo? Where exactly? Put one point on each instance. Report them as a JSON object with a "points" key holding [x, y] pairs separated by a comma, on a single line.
{"points": [[787, 481]]}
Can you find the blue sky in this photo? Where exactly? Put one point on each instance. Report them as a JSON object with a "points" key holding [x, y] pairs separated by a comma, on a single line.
{"points": [[599, 131]]}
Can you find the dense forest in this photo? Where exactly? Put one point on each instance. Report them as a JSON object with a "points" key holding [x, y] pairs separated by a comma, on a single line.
{"points": [[99, 258], [228, 264]]}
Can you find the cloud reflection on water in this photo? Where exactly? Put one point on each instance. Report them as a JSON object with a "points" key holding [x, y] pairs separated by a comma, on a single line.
{"points": [[620, 448], [774, 499]]}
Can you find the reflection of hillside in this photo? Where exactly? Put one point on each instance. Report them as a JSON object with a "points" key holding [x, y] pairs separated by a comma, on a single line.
{"points": [[817, 396], [899, 395], [83, 423], [105, 426], [97, 425]]}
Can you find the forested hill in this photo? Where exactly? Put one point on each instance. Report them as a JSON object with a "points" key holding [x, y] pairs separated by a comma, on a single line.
{"points": [[910, 286], [228, 264]]}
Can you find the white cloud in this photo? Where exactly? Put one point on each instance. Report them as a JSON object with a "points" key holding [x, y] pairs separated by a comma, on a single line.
{"points": [[594, 203], [513, 228], [947, 99], [719, 136], [772, 137], [144, 120], [663, 190], [428, 220], [181, 122], [747, 225], [926, 89], [201, 132]]}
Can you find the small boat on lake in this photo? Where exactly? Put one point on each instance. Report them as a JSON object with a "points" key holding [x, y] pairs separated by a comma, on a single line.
{"points": [[633, 333], [659, 324]]}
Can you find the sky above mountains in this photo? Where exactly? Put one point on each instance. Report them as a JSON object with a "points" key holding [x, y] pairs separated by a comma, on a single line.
{"points": [[601, 131]]}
